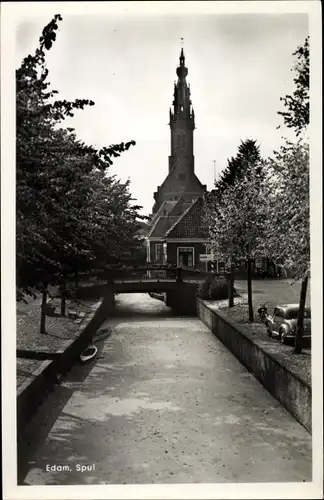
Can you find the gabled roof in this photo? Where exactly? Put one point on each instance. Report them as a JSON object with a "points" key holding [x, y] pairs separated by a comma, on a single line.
{"points": [[181, 217], [191, 223], [161, 226], [168, 213], [180, 206], [165, 208]]}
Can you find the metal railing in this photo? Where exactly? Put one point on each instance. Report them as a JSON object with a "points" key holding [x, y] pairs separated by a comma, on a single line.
{"points": [[146, 272], [150, 272], [158, 272]]}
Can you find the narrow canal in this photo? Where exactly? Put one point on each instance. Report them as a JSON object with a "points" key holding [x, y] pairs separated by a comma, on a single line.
{"points": [[164, 402]]}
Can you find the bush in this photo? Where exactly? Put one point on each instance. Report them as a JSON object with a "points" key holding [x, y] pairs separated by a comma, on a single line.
{"points": [[214, 289], [218, 290], [203, 288]]}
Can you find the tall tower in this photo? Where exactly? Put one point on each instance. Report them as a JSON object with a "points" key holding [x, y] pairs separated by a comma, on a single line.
{"points": [[182, 123], [181, 180]]}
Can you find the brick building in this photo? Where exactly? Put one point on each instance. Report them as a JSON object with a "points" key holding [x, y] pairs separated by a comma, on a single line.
{"points": [[176, 232]]}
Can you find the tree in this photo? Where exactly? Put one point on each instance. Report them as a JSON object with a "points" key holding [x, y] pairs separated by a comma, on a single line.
{"points": [[296, 115], [292, 161], [110, 219], [237, 219], [62, 184], [248, 152], [288, 234]]}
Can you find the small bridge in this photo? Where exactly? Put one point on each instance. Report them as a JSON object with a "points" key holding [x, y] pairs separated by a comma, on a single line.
{"points": [[177, 283], [145, 279]]}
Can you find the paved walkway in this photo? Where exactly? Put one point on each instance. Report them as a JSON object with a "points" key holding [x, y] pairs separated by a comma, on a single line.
{"points": [[165, 402]]}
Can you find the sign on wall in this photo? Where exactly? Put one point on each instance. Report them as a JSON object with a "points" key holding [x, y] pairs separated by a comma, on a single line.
{"points": [[205, 257]]}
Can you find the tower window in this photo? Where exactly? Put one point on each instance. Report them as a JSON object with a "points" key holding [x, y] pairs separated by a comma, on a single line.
{"points": [[181, 109]]}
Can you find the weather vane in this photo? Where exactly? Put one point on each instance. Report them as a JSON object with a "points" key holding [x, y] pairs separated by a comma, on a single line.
{"points": [[181, 42]]}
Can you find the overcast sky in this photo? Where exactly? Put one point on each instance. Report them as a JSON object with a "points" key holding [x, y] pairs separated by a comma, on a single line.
{"points": [[239, 67]]}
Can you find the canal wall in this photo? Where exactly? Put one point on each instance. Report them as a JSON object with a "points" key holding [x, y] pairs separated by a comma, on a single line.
{"points": [[294, 393]]}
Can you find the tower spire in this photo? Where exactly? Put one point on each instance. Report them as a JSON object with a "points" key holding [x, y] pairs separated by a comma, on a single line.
{"points": [[182, 102], [182, 183], [182, 56]]}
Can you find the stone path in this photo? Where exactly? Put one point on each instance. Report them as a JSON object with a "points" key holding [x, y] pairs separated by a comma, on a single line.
{"points": [[164, 402]]}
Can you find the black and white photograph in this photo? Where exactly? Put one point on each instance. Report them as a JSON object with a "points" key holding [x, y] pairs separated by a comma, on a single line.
{"points": [[161, 250]]}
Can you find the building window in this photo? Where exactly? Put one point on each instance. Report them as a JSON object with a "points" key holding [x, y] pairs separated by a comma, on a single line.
{"points": [[165, 252], [159, 252], [185, 256]]}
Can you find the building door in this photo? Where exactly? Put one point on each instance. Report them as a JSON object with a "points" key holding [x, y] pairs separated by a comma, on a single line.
{"points": [[185, 256]]}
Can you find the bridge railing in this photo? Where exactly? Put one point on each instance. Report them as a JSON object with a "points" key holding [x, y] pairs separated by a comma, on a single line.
{"points": [[140, 273], [154, 272], [127, 272], [151, 271], [196, 273]]}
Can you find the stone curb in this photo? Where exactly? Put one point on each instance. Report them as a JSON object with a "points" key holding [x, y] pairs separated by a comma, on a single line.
{"points": [[290, 390], [32, 392]]}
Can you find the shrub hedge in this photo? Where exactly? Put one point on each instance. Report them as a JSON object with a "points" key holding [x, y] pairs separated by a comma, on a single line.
{"points": [[214, 289]]}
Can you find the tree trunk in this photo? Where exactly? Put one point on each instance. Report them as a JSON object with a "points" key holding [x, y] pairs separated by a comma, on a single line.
{"points": [[249, 283], [63, 296], [231, 286], [300, 318], [43, 315]]}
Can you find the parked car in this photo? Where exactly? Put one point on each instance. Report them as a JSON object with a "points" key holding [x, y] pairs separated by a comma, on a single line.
{"points": [[283, 322]]}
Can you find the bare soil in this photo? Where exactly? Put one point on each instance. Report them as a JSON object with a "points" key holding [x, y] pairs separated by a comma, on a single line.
{"points": [[58, 330]]}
